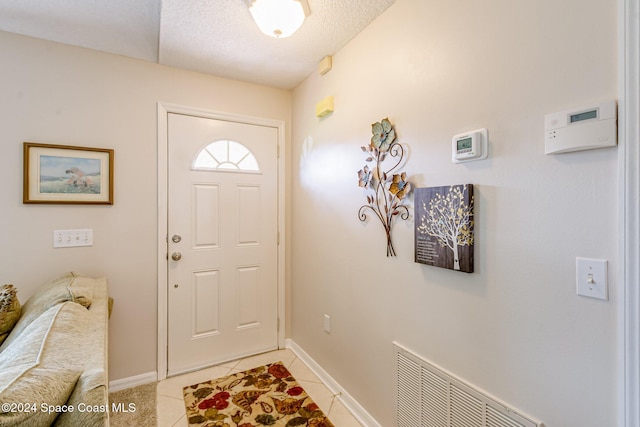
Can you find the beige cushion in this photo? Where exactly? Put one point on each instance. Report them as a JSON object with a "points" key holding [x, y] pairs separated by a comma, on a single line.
{"points": [[36, 387], [91, 388], [90, 391], [68, 287], [44, 363], [9, 310]]}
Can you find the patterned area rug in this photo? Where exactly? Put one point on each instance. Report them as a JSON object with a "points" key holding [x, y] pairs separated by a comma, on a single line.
{"points": [[263, 396]]}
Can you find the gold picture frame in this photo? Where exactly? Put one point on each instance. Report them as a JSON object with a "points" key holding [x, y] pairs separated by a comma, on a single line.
{"points": [[65, 174]]}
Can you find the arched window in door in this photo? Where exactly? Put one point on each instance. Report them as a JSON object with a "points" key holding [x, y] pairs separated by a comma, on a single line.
{"points": [[226, 155]]}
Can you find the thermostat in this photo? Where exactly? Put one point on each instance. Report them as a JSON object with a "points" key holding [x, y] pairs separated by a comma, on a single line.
{"points": [[593, 126], [469, 146]]}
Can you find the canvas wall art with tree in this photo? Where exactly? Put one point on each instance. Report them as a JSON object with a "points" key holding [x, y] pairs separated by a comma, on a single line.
{"points": [[444, 223]]}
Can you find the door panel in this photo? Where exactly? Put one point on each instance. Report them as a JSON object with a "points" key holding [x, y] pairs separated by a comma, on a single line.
{"points": [[206, 289], [248, 297], [222, 294], [206, 228], [249, 214]]}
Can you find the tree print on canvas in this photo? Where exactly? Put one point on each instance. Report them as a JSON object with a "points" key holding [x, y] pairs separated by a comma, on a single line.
{"points": [[444, 227]]}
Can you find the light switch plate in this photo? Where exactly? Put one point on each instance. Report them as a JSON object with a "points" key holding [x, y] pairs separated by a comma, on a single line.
{"points": [[591, 278], [72, 238]]}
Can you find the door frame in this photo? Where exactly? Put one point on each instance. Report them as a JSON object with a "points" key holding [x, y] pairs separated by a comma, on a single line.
{"points": [[163, 163], [629, 212]]}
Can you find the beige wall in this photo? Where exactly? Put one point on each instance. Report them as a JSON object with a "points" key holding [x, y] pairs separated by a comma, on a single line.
{"points": [[515, 327], [57, 94]]}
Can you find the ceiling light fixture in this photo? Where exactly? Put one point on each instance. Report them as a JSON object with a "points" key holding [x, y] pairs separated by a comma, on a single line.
{"points": [[279, 18]]}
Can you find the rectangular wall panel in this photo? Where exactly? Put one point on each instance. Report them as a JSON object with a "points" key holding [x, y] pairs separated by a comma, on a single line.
{"points": [[248, 298], [248, 215], [206, 302], [206, 216]]}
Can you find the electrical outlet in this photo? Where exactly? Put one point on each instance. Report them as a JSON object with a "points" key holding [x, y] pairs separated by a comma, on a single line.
{"points": [[72, 238], [327, 323]]}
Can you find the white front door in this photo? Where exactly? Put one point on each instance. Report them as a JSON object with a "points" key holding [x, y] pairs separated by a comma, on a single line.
{"points": [[222, 241]]}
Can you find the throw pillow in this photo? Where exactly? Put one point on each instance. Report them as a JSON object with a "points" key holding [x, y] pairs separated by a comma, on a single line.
{"points": [[9, 310]]}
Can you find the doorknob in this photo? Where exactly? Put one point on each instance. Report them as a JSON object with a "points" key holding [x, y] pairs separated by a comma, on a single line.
{"points": [[176, 238], [176, 256]]}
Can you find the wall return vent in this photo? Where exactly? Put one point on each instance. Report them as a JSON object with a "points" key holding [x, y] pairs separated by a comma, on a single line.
{"points": [[427, 396]]}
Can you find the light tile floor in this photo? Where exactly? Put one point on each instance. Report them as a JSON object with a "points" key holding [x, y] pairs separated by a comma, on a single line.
{"points": [[171, 412]]}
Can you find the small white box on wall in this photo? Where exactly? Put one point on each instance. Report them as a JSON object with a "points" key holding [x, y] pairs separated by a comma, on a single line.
{"points": [[324, 107], [578, 129], [325, 65]]}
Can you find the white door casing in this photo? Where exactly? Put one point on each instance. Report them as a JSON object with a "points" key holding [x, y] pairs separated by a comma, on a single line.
{"points": [[629, 213], [227, 257]]}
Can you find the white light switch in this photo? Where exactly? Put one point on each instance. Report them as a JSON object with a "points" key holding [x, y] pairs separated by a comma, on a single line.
{"points": [[327, 323], [591, 278], [72, 238]]}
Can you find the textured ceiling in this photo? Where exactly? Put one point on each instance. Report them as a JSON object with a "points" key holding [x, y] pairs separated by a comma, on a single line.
{"points": [[212, 36]]}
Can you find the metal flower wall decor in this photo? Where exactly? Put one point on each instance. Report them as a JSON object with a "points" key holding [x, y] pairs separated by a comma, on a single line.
{"points": [[386, 189]]}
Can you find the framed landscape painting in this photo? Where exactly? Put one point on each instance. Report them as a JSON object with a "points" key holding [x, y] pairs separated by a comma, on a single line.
{"points": [[66, 174], [444, 223]]}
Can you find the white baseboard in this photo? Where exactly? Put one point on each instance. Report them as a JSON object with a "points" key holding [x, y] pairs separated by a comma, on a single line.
{"points": [[149, 377], [358, 412]]}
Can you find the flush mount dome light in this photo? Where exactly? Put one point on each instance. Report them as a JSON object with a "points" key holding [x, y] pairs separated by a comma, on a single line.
{"points": [[279, 18]]}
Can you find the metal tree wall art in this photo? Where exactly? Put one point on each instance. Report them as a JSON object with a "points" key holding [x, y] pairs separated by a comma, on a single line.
{"points": [[385, 190], [444, 227]]}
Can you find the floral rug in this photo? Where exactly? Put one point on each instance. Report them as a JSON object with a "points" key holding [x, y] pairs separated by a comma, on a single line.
{"points": [[264, 396]]}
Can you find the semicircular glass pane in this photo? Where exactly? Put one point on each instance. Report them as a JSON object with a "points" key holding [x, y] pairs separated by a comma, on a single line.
{"points": [[226, 155]]}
